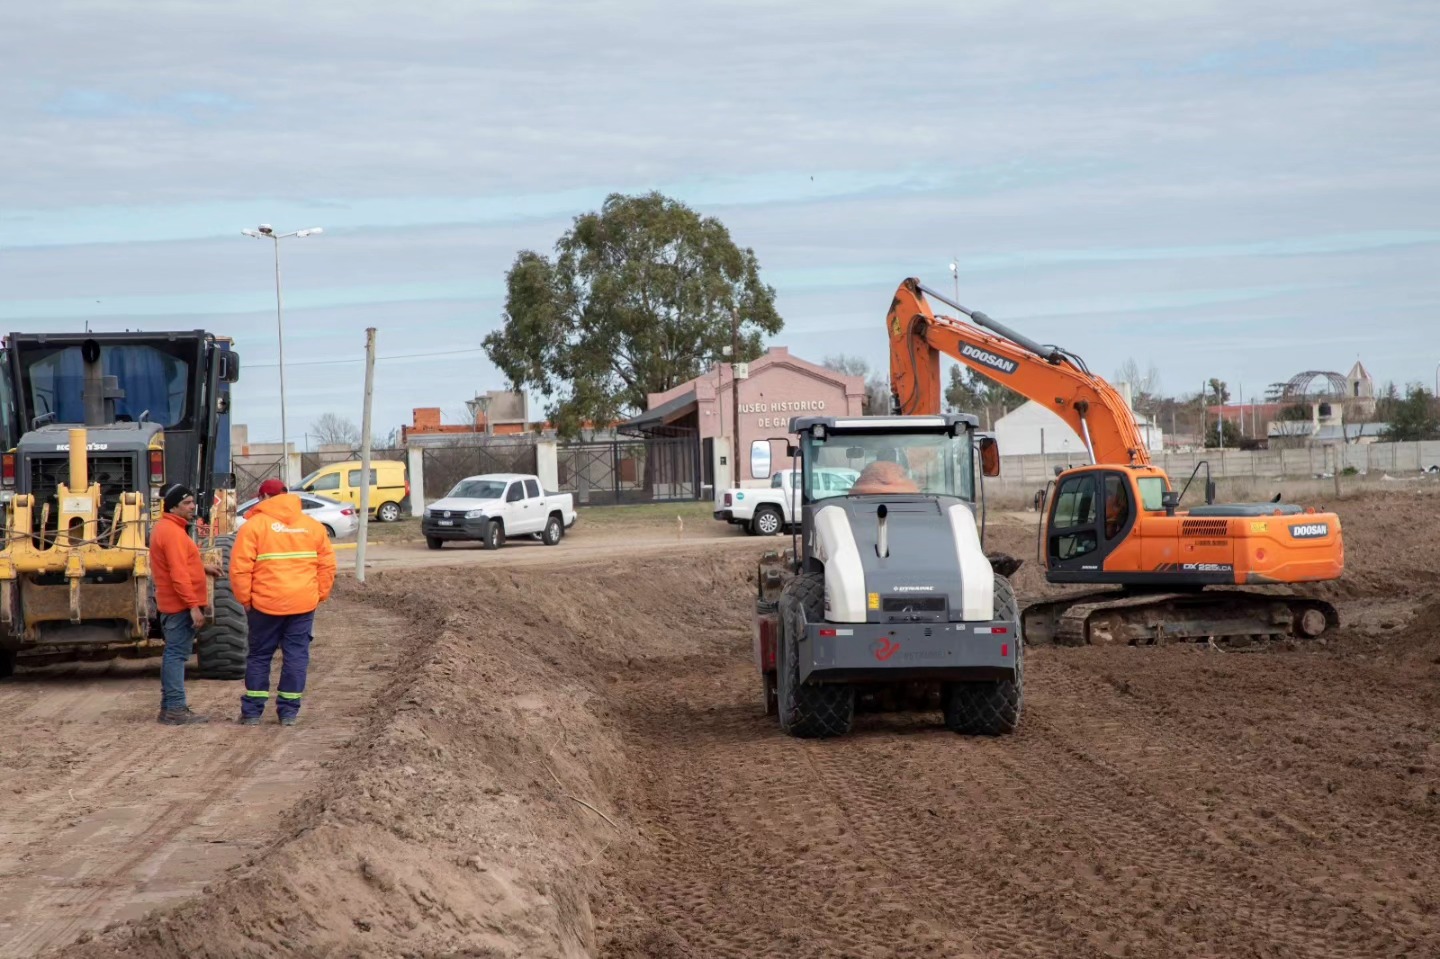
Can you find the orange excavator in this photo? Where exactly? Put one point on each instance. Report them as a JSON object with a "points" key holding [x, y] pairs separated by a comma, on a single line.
{"points": [[1118, 521]]}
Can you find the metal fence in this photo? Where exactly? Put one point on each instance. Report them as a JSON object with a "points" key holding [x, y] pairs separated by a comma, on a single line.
{"points": [[445, 466], [251, 471], [310, 462], [612, 472]]}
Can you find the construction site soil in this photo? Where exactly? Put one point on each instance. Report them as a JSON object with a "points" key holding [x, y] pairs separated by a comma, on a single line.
{"points": [[566, 756]]}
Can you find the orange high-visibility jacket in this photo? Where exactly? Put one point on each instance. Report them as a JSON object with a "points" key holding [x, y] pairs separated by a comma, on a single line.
{"points": [[281, 562], [176, 567]]}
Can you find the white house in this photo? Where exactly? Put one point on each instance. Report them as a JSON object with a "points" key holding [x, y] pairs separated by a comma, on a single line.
{"points": [[1034, 428]]}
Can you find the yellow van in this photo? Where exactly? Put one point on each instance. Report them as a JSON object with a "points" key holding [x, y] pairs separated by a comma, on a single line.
{"points": [[389, 489]]}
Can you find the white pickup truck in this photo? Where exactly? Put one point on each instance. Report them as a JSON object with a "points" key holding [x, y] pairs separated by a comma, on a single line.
{"points": [[496, 506], [765, 511]]}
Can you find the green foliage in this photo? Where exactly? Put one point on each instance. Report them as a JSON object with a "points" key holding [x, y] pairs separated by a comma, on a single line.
{"points": [[639, 298], [1413, 418], [1231, 432], [972, 392]]}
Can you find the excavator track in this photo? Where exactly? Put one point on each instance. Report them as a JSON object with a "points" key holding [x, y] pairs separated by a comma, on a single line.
{"points": [[1232, 618]]}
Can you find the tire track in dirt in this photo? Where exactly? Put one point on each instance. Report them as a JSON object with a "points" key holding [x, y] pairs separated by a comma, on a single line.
{"points": [[152, 813], [738, 869], [1339, 825]]}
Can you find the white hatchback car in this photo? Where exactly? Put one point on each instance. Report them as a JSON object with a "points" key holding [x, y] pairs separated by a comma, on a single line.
{"points": [[338, 518]]}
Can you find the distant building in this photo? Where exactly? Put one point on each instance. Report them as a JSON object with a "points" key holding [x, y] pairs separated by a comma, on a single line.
{"points": [[771, 390], [1035, 428], [493, 413]]}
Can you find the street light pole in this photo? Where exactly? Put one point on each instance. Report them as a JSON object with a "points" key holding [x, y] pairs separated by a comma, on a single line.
{"points": [[265, 231]]}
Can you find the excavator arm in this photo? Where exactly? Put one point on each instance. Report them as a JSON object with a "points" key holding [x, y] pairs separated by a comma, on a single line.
{"points": [[1093, 408]]}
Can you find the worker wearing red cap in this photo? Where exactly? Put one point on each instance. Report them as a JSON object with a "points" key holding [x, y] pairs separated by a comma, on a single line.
{"points": [[281, 569]]}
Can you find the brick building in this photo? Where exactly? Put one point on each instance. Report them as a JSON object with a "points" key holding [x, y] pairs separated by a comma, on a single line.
{"points": [[771, 390]]}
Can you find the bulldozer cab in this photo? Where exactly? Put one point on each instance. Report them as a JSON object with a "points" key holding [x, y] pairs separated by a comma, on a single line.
{"points": [[94, 427], [155, 405], [923, 455]]}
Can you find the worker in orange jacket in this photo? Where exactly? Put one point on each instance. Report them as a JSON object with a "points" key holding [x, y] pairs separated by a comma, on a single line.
{"points": [[181, 595], [281, 569]]}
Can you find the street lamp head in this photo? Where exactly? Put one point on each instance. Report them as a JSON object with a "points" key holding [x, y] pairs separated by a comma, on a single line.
{"points": [[954, 267], [266, 229], [250, 233], [310, 232]]}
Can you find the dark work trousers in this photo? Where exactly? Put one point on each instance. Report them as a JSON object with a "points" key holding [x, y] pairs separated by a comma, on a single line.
{"points": [[291, 636]]}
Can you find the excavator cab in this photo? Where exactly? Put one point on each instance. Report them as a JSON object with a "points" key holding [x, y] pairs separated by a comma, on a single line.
{"points": [[1117, 522]]}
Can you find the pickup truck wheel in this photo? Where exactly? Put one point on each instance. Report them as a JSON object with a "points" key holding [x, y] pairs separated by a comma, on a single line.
{"points": [[554, 529], [494, 535], [433, 542], [767, 521], [388, 512]]}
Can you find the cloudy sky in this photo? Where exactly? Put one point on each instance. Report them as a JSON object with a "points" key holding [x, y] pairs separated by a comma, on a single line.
{"points": [[1221, 188]]}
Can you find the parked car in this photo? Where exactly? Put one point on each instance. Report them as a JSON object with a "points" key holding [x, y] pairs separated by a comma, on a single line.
{"points": [[766, 511], [389, 488], [339, 519], [496, 506]]}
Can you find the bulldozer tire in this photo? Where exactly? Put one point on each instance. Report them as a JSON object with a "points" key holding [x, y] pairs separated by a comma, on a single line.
{"points": [[991, 708], [221, 647], [807, 710]]}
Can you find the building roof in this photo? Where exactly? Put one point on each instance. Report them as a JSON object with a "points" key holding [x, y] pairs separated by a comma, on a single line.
{"points": [[1352, 431], [669, 410]]}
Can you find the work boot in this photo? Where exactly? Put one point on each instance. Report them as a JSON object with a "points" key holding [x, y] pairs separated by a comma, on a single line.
{"points": [[289, 720], [180, 717], [249, 720]]}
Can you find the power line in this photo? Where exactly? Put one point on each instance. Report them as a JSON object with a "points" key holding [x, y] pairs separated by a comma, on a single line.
{"points": [[398, 356]]}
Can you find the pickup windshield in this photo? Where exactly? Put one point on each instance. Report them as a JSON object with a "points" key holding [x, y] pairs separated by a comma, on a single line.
{"points": [[854, 464], [478, 489]]}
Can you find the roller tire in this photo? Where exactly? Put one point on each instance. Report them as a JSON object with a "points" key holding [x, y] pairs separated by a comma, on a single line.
{"points": [[222, 646], [807, 710], [993, 707]]}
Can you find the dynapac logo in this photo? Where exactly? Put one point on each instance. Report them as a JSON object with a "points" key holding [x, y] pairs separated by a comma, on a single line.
{"points": [[989, 359], [1310, 530]]}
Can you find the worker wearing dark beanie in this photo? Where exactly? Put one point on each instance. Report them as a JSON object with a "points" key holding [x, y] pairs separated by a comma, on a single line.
{"points": [[176, 494], [180, 596]]}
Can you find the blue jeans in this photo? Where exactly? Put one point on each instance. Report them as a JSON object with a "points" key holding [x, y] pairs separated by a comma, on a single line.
{"points": [[179, 643], [291, 636]]}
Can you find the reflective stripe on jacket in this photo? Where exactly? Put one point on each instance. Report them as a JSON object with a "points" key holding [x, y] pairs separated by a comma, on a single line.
{"points": [[282, 562], [176, 567]]}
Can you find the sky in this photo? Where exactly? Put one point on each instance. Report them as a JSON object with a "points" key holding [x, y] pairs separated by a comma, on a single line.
{"points": [[1220, 189]]}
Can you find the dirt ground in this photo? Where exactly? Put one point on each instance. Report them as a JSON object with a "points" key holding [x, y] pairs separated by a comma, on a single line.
{"points": [[560, 752]]}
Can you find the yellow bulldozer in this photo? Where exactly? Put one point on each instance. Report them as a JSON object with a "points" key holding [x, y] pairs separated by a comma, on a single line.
{"points": [[94, 427]]}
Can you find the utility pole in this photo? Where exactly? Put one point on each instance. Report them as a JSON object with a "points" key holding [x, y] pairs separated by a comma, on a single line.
{"points": [[735, 384], [361, 536]]}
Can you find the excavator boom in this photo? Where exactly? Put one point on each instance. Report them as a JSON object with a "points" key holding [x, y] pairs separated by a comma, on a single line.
{"points": [[1115, 521], [1093, 408]]}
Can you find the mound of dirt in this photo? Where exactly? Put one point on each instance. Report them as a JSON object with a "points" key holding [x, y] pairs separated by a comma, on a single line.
{"points": [[471, 816]]}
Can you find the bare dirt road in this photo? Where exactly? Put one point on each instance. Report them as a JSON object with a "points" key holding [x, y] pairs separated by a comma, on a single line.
{"points": [[566, 757]]}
